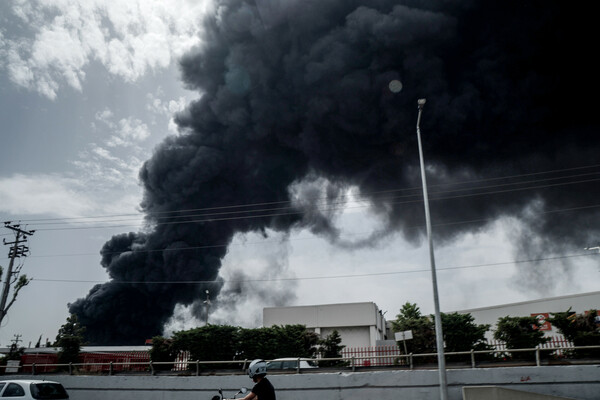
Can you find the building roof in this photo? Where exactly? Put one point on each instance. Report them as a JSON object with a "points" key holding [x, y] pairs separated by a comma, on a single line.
{"points": [[530, 302]]}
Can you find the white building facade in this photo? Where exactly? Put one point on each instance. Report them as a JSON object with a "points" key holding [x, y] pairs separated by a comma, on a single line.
{"points": [[359, 324], [541, 308]]}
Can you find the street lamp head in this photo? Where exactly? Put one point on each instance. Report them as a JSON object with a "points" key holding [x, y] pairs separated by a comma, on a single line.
{"points": [[421, 102], [395, 86]]}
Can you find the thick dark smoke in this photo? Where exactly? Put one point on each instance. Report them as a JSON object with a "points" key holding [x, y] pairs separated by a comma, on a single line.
{"points": [[295, 92]]}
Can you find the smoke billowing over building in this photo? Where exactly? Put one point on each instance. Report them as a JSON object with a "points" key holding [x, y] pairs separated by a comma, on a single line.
{"points": [[294, 108]]}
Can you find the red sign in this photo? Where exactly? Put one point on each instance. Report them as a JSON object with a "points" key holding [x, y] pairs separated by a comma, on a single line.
{"points": [[543, 323]]}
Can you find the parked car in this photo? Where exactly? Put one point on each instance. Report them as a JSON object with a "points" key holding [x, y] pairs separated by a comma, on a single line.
{"points": [[291, 363], [33, 389]]}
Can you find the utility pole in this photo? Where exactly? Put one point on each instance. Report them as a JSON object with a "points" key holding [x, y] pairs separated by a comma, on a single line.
{"points": [[16, 340], [18, 249]]}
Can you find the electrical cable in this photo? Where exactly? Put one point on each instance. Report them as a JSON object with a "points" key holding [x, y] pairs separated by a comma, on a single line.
{"points": [[346, 276], [367, 196]]}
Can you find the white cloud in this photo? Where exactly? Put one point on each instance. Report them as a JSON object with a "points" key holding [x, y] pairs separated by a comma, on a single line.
{"points": [[44, 194], [166, 108], [64, 196], [128, 37], [133, 129]]}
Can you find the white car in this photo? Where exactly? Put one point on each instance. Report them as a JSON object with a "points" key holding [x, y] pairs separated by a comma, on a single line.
{"points": [[32, 389], [291, 363]]}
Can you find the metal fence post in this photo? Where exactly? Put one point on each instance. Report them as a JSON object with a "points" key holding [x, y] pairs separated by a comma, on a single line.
{"points": [[151, 367], [537, 357], [70, 368], [353, 364], [410, 359], [472, 358], [110, 368], [197, 367], [33, 369]]}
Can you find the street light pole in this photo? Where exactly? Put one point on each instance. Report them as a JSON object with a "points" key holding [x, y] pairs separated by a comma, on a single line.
{"points": [[207, 302], [439, 335]]}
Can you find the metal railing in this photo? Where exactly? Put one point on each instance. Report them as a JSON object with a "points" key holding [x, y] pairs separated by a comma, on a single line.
{"points": [[401, 361]]}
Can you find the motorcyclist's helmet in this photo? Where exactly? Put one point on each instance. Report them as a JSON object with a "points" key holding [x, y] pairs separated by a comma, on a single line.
{"points": [[257, 367]]}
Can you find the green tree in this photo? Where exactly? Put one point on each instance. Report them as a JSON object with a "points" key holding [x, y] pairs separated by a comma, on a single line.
{"points": [[14, 282], [462, 334], [277, 341], [422, 327], [331, 347], [581, 329], [520, 333], [70, 340], [162, 351], [208, 343]]}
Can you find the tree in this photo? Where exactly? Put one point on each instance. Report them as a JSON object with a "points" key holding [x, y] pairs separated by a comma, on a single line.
{"points": [[422, 327], [520, 333], [224, 342], [208, 343], [462, 334], [581, 329], [162, 351], [331, 347], [70, 340], [16, 283], [277, 341]]}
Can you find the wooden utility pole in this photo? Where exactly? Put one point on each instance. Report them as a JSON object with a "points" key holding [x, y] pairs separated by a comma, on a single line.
{"points": [[17, 249]]}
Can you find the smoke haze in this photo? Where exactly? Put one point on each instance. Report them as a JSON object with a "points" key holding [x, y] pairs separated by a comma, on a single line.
{"points": [[294, 109]]}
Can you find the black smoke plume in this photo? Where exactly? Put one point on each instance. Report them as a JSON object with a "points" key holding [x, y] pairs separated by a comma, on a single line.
{"points": [[294, 92]]}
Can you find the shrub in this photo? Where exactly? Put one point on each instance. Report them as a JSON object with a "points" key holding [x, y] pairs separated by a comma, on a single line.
{"points": [[520, 333]]}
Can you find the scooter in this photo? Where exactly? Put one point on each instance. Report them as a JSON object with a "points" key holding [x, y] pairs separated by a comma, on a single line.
{"points": [[220, 396]]}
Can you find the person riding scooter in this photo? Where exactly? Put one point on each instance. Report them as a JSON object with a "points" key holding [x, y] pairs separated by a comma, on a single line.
{"points": [[263, 389]]}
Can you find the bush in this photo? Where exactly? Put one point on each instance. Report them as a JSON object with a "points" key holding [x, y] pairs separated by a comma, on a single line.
{"points": [[581, 329], [520, 333]]}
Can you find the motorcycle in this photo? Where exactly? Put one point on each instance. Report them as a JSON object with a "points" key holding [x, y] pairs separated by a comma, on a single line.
{"points": [[220, 396]]}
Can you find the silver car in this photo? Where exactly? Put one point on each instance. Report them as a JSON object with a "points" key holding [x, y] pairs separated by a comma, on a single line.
{"points": [[32, 389]]}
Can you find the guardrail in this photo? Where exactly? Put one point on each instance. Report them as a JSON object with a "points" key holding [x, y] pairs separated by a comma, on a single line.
{"points": [[343, 363]]}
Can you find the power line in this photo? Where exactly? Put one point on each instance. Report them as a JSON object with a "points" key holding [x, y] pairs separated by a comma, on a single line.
{"points": [[342, 204], [346, 276], [207, 218], [482, 220], [363, 197]]}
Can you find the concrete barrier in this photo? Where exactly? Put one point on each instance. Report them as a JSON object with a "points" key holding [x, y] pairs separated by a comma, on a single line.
{"points": [[498, 393], [580, 382]]}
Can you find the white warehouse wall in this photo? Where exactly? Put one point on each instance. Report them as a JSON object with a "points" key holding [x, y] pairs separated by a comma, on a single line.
{"points": [[579, 303], [359, 324]]}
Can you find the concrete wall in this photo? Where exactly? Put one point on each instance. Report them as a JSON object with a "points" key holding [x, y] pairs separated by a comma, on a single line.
{"points": [[498, 393], [580, 382]]}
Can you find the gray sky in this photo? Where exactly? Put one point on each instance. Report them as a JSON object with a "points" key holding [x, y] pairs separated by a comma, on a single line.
{"points": [[88, 89]]}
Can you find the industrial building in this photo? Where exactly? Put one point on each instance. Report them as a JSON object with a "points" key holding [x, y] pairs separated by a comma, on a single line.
{"points": [[359, 324], [540, 308]]}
